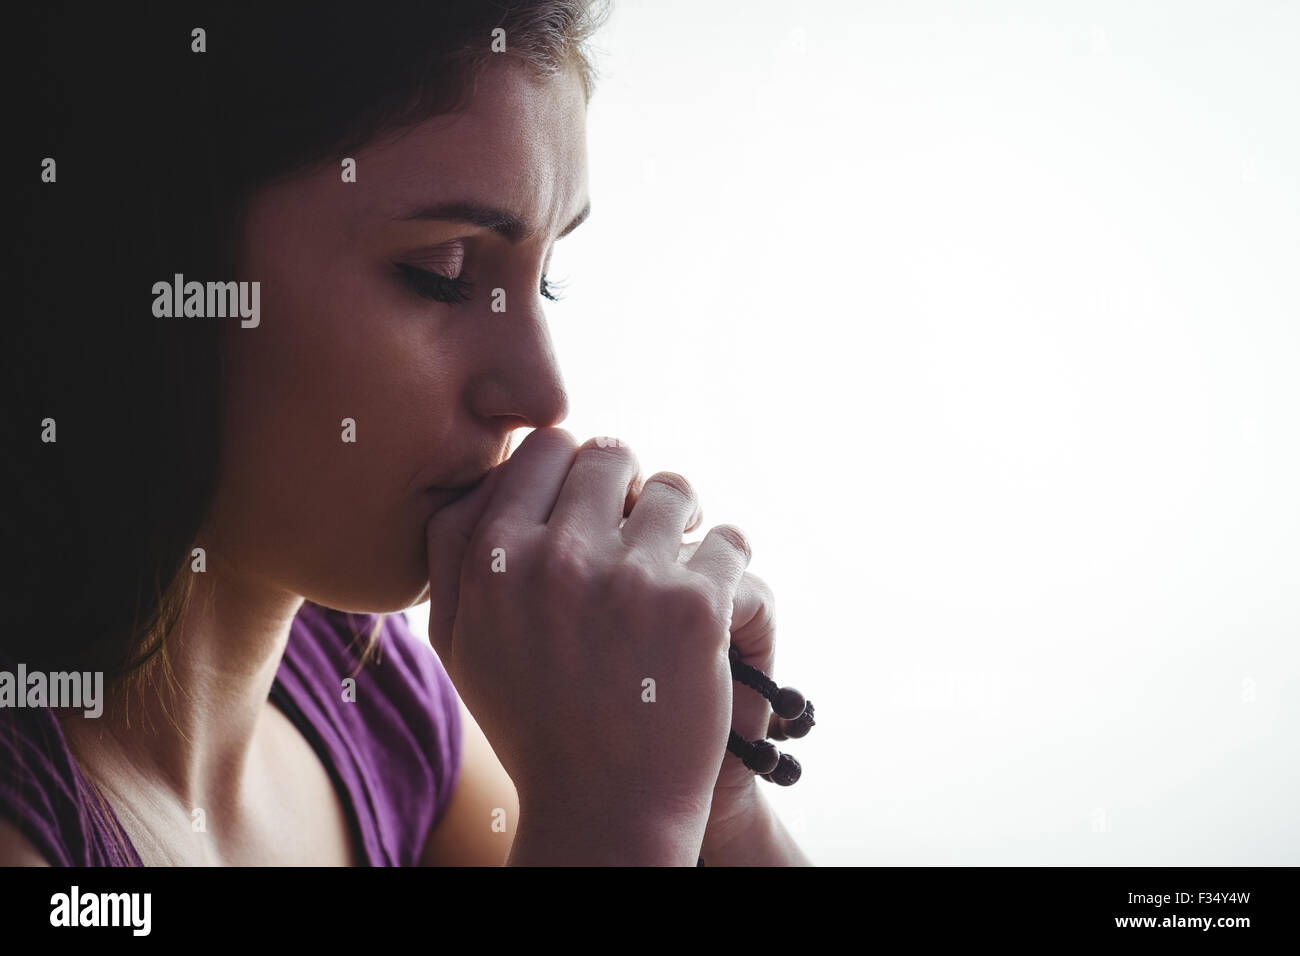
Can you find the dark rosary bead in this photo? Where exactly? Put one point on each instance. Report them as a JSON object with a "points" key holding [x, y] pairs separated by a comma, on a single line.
{"points": [[800, 726], [792, 717], [789, 703], [786, 773], [763, 757], [776, 728]]}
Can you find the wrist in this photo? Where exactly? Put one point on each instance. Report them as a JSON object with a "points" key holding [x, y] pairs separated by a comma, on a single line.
{"points": [[756, 838], [743, 819], [565, 837]]}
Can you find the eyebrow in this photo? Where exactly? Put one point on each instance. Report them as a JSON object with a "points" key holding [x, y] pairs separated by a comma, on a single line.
{"points": [[501, 221]]}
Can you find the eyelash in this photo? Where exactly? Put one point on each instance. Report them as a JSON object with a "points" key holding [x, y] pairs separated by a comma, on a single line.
{"points": [[440, 288]]}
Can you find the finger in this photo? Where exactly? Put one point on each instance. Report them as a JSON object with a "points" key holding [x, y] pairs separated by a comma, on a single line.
{"points": [[532, 478], [753, 622], [634, 494], [447, 535], [723, 556], [665, 509], [688, 550], [597, 488]]}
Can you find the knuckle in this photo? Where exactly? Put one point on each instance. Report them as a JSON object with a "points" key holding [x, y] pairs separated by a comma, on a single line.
{"points": [[734, 537], [696, 606], [545, 448], [563, 558], [608, 451], [631, 581], [603, 442], [495, 534], [676, 483], [549, 435]]}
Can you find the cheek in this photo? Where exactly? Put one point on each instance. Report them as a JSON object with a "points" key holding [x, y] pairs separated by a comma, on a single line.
{"points": [[333, 406]]}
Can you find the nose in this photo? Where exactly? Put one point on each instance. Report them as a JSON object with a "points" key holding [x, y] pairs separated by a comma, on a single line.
{"points": [[520, 377]]}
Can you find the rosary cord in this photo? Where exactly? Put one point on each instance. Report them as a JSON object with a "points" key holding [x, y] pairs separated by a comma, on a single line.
{"points": [[753, 677], [787, 702]]}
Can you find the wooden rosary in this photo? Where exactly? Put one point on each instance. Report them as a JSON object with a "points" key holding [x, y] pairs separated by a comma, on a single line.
{"points": [[792, 718]]}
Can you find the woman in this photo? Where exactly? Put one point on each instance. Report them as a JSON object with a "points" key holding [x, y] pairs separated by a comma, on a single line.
{"points": [[344, 219]]}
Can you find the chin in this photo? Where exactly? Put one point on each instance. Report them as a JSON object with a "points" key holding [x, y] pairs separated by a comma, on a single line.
{"points": [[378, 586], [353, 601]]}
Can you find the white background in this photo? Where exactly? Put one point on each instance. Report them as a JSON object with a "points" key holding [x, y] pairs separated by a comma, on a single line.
{"points": [[985, 329]]}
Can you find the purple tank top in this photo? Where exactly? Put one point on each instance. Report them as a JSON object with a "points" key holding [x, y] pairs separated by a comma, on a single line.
{"points": [[393, 752]]}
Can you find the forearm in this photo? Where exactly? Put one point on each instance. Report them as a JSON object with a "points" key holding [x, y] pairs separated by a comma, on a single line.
{"points": [[764, 841], [539, 842]]}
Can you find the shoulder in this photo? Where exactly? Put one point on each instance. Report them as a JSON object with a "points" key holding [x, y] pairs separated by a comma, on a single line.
{"points": [[398, 716], [479, 827]]}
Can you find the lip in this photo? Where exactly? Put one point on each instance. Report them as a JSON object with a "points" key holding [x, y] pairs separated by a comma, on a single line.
{"points": [[469, 485], [443, 495]]}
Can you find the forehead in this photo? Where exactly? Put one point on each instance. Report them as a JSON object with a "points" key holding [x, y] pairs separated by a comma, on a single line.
{"points": [[521, 145]]}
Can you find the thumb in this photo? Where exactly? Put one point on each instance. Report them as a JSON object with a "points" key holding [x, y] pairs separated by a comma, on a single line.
{"points": [[447, 536]]}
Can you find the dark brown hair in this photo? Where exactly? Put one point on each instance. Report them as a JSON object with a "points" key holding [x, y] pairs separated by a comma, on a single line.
{"points": [[157, 146]]}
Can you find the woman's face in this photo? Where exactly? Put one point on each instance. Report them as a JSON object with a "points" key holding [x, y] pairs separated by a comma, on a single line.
{"points": [[351, 330]]}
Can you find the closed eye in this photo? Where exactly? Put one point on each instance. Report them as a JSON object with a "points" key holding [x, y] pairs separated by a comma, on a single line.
{"points": [[441, 288], [431, 285]]}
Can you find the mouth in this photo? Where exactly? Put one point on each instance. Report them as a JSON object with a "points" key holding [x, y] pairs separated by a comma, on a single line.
{"points": [[463, 486], [442, 495]]}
